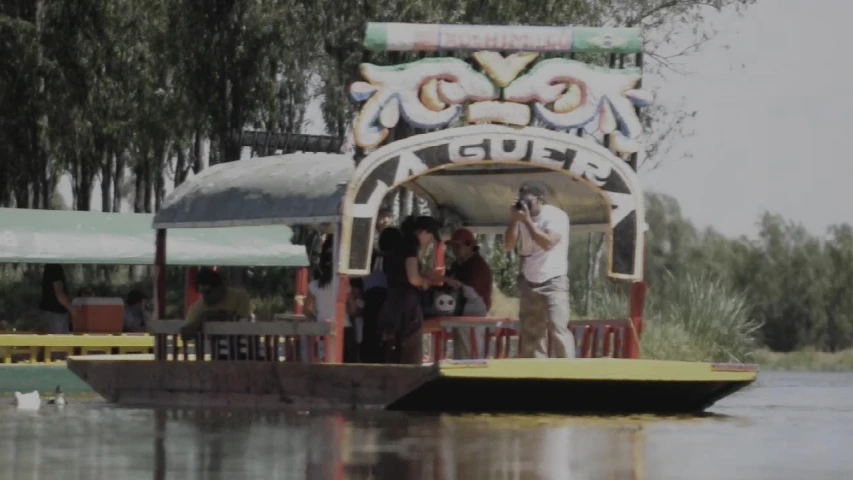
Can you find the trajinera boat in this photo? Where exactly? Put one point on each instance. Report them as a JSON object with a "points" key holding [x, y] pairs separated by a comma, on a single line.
{"points": [[461, 133]]}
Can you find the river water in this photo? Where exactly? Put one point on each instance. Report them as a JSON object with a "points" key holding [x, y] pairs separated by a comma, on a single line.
{"points": [[788, 426]]}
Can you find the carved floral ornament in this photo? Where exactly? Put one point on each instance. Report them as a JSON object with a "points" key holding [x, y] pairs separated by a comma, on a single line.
{"points": [[561, 93]]}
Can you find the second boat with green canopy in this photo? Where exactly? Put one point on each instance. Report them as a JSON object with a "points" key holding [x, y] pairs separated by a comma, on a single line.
{"points": [[75, 237]]}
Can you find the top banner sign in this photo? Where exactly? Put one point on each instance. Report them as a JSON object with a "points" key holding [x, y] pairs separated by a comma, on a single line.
{"points": [[416, 37]]}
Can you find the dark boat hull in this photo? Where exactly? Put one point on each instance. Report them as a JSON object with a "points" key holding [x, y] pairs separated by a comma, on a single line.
{"points": [[517, 385]]}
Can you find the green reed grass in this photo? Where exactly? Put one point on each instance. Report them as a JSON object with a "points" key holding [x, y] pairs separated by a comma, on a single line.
{"points": [[694, 318]]}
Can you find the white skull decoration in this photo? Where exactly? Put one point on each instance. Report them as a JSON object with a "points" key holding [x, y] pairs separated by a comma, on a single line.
{"points": [[444, 303]]}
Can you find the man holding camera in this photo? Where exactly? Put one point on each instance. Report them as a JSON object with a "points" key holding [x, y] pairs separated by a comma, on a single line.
{"points": [[543, 285]]}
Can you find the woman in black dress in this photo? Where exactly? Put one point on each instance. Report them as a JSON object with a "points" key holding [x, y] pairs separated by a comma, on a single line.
{"points": [[401, 318]]}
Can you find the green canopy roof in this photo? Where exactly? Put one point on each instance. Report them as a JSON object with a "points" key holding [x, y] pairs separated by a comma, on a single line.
{"points": [[74, 237]]}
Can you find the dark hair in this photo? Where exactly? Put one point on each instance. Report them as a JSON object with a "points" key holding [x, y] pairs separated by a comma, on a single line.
{"points": [[535, 188], [208, 276], [133, 297], [407, 226], [428, 224], [389, 239], [411, 225], [324, 270]]}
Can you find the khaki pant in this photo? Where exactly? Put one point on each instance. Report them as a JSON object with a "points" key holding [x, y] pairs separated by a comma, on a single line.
{"points": [[544, 305]]}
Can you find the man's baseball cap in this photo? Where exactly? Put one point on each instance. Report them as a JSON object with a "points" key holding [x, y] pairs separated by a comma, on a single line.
{"points": [[533, 187], [462, 235]]}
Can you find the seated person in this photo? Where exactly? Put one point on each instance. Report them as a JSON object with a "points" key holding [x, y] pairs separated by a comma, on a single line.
{"points": [[135, 314], [218, 303], [472, 274]]}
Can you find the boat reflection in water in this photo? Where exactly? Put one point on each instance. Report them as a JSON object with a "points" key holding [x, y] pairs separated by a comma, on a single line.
{"points": [[97, 442], [498, 448], [391, 446]]}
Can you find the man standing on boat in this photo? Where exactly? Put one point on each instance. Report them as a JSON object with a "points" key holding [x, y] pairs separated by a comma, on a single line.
{"points": [[543, 285], [56, 309]]}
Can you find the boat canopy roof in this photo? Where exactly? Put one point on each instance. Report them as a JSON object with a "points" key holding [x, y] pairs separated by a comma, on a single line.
{"points": [[481, 194], [74, 237], [307, 189], [292, 189], [470, 176]]}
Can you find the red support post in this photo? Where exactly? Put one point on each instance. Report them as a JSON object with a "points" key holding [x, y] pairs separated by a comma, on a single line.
{"points": [[160, 272], [637, 301], [190, 292], [160, 347], [340, 316], [438, 259]]}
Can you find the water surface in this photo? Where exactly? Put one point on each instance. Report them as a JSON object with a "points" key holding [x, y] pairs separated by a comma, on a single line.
{"points": [[788, 426]]}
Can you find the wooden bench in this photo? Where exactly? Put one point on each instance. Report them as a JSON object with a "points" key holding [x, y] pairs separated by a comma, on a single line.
{"points": [[263, 339]]}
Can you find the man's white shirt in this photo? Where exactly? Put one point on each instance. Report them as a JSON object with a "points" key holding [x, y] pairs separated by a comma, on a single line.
{"points": [[538, 264]]}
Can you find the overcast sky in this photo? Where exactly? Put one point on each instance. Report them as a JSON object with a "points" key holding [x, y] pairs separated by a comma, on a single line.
{"points": [[770, 91], [769, 131]]}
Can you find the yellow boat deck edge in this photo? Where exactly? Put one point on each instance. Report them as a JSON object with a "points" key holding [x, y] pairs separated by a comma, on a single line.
{"points": [[137, 357], [600, 369]]}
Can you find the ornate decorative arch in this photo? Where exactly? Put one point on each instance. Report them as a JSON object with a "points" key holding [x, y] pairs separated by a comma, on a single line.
{"points": [[581, 158]]}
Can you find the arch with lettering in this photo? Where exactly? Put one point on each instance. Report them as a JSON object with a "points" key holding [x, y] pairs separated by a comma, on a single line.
{"points": [[581, 158]]}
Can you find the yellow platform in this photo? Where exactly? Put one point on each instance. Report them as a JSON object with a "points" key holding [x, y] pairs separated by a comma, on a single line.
{"points": [[29, 344], [600, 369]]}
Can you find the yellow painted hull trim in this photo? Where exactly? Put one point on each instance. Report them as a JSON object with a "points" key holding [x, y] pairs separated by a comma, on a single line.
{"points": [[608, 369]]}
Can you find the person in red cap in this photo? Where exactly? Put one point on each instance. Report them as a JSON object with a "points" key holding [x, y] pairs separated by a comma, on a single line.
{"points": [[472, 274]]}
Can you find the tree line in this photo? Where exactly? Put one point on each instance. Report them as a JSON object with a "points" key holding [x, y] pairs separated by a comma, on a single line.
{"points": [[796, 286], [125, 95]]}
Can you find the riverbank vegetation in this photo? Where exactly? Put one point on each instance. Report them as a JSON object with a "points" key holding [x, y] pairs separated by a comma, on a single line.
{"points": [[780, 299]]}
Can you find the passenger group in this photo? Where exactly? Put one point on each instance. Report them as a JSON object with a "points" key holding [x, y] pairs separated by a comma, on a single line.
{"points": [[385, 310]]}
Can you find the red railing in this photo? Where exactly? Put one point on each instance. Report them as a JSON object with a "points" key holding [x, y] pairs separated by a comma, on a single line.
{"points": [[593, 338], [283, 338], [616, 338]]}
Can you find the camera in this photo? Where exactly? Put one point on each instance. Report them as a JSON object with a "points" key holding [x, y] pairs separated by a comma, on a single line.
{"points": [[519, 205]]}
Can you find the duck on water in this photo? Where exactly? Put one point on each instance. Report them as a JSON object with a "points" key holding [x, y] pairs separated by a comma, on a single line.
{"points": [[32, 400]]}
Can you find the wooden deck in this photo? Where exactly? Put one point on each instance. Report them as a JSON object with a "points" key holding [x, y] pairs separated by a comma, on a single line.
{"points": [[140, 380]]}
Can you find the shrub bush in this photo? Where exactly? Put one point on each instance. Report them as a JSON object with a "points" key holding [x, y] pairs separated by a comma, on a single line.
{"points": [[695, 318]]}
